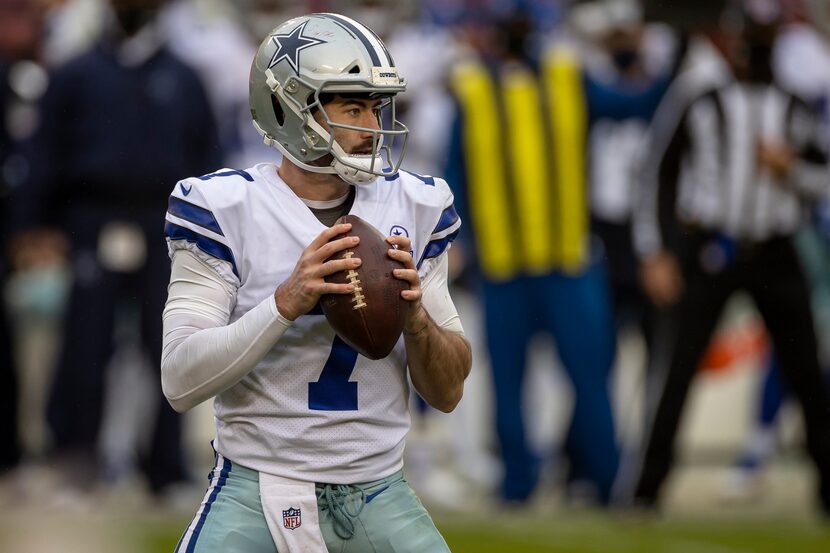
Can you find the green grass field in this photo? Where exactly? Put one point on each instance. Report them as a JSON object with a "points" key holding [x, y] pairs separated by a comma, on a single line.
{"points": [[595, 533], [781, 520], [552, 532]]}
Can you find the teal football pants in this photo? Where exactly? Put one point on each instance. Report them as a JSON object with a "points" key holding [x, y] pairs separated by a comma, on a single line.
{"points": [[389, 517]]}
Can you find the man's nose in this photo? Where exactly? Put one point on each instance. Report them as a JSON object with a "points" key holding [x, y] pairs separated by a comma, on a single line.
{"points": [[369, 120]]}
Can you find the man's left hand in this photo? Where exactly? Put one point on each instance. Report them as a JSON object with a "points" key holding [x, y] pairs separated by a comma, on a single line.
{"points": [[417, 317]]}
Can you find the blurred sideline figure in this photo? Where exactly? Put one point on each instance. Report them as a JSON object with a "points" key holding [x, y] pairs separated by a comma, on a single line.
{"points": [[802, 63], [119, 124], [628, 67], [218, 40], [21, 84], [518, 164], [624, 80], [734, 159]]}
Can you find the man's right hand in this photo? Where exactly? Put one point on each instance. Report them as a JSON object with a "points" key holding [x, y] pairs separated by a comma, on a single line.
{"points": [[778, 159], [661, 278], [301, 292]]}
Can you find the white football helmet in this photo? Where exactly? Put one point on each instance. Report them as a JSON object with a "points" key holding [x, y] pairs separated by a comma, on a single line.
{"points": [[319, 54]]}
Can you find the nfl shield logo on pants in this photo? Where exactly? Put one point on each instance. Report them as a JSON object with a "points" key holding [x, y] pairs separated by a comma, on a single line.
{"points": [[292, 518]]}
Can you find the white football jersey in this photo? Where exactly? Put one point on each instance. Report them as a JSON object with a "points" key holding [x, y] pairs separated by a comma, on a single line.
{"points": [[312, 409]]}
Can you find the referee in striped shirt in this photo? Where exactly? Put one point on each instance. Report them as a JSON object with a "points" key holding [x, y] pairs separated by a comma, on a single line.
{"points": [[734, 162]]}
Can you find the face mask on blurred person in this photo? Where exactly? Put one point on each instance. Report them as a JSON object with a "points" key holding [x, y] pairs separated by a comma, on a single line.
{"points": [[756, 51], [132, 18], [624, 58], [759, 64]]}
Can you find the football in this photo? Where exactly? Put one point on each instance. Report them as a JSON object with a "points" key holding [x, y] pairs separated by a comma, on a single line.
{"points": [[371, 318]]}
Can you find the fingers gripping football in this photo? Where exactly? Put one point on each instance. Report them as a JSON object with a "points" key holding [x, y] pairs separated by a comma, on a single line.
{"points": [[301, 292], [371, 319], [401, 247]]}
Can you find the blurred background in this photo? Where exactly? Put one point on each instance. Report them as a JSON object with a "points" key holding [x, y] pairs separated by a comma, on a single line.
{"points": [[105, 104]]}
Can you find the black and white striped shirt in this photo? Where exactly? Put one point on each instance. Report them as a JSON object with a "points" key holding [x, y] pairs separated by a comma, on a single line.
{"points": [[702, 170]]}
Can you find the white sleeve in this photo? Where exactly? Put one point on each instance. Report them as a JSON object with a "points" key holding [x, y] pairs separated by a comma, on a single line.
{"points": [[202, 354], [436, 297]]}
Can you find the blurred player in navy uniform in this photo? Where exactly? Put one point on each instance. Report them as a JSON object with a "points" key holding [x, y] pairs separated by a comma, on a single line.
{"points": [[119, 124], [310, 434]]}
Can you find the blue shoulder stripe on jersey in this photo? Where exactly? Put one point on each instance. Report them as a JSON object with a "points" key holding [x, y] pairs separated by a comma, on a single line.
{"points": [[437, 247], [424, 179], [238, 172], [207, 245], [448, 219], [220, 483], [195, 214], [357, 33]]}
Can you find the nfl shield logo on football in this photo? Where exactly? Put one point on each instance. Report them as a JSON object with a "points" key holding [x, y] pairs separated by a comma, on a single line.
{"points": [[292, 518]]}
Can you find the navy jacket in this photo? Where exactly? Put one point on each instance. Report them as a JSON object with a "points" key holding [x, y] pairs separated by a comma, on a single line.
{"points": [[116, 139]]}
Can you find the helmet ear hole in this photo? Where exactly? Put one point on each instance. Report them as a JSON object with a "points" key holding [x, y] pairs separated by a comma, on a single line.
{"points": [[354, 70], [278, 111]]}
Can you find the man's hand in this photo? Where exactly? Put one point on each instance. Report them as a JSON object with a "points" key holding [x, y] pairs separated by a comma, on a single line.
{"points": [[301, 292], [417, 317], [439, 360], [778, 159], [661, 278]]}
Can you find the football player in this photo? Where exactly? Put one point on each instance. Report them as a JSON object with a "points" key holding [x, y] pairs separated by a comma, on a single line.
{"points": [[309, 434]]}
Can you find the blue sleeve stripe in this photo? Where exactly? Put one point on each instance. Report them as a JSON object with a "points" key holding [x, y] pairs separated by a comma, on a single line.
{"points": [[447, 219], [207, 245], [437, 247], [194, 213], [244, 174]]}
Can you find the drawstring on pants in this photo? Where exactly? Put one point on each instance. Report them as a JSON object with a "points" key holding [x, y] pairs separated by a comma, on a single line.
{"points": [[334, 498]]}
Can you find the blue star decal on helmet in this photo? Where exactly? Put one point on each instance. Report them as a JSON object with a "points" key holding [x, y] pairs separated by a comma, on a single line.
{"points": [[289, 46]]}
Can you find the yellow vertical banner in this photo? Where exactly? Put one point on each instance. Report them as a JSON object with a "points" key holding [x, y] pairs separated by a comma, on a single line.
{"points": [[485, 164], [527, 146], [568, 120]]}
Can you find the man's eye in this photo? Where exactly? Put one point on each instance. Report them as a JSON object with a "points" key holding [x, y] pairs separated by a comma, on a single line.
{"points": [[354, 112]]}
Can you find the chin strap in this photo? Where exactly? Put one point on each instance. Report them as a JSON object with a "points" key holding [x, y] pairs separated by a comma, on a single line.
{"points": [[356, 176]]}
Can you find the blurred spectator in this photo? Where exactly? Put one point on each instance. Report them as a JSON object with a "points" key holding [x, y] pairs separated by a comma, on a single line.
{"points": [[120, 123], [21, 81], [219, 44], [624, 84], [72, 27], [735, 157], [518, 163], [426, 99]]}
